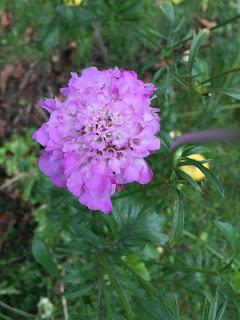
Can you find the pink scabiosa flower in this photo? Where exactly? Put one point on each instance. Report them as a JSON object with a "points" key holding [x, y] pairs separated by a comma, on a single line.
{"points": [[96, 139]]}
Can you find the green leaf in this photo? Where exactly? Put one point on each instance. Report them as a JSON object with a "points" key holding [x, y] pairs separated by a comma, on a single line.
{"points": [[107, 303], [197, 41], [79, 292], [231, 106], [178, 220], [221, 311], [204, 311], [213, 308], [158, 74], [42, 256], [200, 72], [154, 310], [176, 315], [187, 151], [52, 38], [168, 10], [215, 183], [166, 140], [229, 233], [231, 92], [134, 262], [116, 284], [187, 177], [235, 281], [137, 222]]}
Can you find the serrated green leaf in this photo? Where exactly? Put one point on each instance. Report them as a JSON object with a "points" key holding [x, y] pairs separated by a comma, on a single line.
{"points": [[42, 256], [136, 222], [197, 41]]}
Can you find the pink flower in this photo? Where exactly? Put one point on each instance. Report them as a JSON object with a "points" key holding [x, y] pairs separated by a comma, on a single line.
{"points": [[97, 139]]}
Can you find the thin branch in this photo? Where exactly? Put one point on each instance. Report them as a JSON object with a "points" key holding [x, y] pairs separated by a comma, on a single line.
{"points": [[16, 311], [13, 180], [220, 25], [64, 303], [234, 70], [100, 43]]}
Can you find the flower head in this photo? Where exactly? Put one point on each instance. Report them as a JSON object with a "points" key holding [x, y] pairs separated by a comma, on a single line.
{"points": [[97, 137]]}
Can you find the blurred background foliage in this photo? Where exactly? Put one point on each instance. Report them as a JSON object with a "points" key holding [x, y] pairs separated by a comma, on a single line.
{"points": [[58, 259]]}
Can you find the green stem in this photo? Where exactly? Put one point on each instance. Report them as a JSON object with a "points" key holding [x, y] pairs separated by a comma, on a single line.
{"points": [[220, 25], [228, 79], [3, 317], [16, 311], [210, 248], [224, 23], [199, 270], [220, 75]]}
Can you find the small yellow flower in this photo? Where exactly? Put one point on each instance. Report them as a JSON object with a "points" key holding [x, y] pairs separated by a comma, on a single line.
{"points": [[192, 170], [72, 3]]}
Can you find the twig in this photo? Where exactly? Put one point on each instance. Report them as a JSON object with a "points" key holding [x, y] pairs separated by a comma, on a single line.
{"points": [[13, 180], [185, 40], [64, 303], [16, 311], [100, 43]]}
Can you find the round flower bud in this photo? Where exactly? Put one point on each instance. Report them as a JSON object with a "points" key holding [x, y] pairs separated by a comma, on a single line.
{"points": [[192, 170]]}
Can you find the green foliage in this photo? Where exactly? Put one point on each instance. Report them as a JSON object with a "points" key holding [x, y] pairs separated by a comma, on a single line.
{"points": [[42, 255], [215, 183], [157, 255], [197, 42], [178, 220]]}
